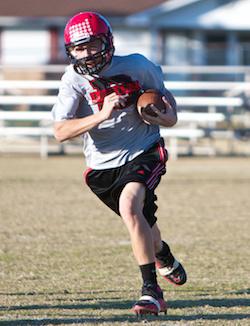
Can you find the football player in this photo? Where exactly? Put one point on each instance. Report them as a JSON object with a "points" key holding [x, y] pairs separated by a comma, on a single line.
{"points": [[126, 157]]}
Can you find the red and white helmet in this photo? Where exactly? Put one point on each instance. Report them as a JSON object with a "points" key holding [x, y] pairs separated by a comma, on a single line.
{"points": [[83, 28]]}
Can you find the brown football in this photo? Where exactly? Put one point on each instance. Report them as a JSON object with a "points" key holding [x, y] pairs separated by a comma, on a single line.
{"points": [[148, 97]]}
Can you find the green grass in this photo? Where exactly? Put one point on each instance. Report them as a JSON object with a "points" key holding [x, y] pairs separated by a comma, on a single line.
{"points": [[65, 259]]}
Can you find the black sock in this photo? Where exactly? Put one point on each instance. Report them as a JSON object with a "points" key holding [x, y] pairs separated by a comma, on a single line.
{"points": [[148, 273], [165, 254]]}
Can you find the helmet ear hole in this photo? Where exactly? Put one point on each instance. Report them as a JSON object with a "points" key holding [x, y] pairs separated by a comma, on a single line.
{"points": [[82, 28]]}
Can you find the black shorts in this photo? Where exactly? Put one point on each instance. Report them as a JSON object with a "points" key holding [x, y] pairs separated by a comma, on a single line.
{"points": [[146, 168]]}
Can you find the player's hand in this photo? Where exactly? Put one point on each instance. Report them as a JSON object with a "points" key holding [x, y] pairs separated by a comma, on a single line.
{"points": [[111, 102], [166, 118]]}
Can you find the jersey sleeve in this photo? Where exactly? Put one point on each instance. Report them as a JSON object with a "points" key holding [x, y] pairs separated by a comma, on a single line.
{"points": [[68, 100], [153, 78]]}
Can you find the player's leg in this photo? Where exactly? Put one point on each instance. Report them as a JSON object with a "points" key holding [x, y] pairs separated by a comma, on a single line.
{"points": [[167, 265], [156, 235], [131, 205]]}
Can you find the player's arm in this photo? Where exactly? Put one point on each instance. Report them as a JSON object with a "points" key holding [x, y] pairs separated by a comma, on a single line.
{"points": [[153, 79], [71, 128], [68, 129]]}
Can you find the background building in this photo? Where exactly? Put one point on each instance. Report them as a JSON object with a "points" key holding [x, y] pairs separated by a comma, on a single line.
{"points": [[203, 47], [174, 32], [32, 30]]}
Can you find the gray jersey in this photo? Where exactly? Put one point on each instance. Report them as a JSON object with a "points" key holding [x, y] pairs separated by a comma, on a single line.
{"points": [[124, 135]]}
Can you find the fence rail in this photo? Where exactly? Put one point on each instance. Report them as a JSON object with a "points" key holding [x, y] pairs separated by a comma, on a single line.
{"points": [[60, 68], [191, 119], [190, 101], [172, 85], [44, 130]]}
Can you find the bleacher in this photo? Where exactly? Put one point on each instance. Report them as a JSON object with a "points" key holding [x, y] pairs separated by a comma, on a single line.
{"points": [[204, 106]]}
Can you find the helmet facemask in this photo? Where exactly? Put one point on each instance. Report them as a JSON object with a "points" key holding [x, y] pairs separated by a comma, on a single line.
{"points": [[100, 59]]}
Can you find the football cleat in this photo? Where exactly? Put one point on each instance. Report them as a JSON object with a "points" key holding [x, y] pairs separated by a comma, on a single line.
{"points": [[151, 302], [173, 273]]}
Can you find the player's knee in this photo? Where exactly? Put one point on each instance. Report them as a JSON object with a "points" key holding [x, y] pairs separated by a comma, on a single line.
{"points": [[129, 210], [131, 204]]}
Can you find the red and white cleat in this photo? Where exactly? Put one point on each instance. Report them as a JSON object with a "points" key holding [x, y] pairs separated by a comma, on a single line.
{"points": [[174, 273], [150, 304]]}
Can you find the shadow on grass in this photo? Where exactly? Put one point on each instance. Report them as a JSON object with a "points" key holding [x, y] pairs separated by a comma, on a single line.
{"points": [[122, 318], [120, 304], [243, 291], [65, 292], [99, 304], [176, 304]]}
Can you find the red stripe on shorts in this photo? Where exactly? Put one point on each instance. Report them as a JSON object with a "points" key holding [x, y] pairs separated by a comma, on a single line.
{"points": [[85, 174], [157, 172], [155, 175], [162, 153]]}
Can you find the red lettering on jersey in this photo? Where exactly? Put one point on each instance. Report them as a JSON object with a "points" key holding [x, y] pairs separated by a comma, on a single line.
{"points": [[120, 84]]}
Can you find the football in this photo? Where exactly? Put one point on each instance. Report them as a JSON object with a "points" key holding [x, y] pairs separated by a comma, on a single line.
{"points": [[148, 97]]}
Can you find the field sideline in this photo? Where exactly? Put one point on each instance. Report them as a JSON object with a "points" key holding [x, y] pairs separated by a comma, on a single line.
{"points": [[65, 259]]}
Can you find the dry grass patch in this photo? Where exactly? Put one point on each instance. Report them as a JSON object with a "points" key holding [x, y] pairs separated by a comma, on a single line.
{"points": [[65, 259]]}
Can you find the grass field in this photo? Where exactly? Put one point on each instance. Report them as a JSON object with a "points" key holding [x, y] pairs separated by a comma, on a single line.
{"points": [[65, 259]]}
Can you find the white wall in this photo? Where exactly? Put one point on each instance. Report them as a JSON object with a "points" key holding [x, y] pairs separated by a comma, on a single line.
{"points": [[25, 46], [176, 49], [132, 41]]}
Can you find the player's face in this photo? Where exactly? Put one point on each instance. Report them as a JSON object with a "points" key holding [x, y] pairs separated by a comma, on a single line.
{"points": [[87, 50]]}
